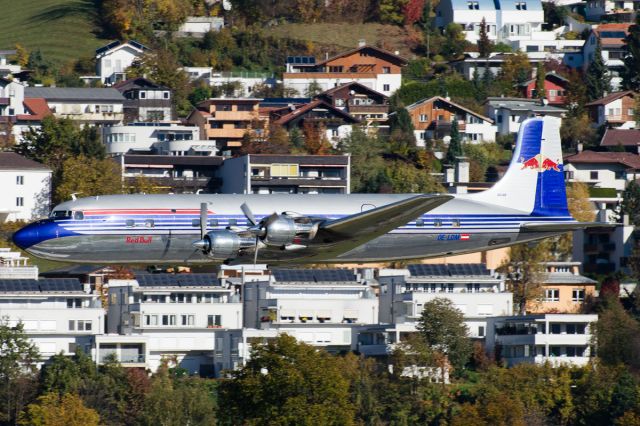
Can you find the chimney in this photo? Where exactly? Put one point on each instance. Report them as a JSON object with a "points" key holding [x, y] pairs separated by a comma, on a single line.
{"points": [[362, 42]]}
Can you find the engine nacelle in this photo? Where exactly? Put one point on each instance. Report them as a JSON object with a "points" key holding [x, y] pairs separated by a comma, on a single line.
{"points": [[225, 244], [284, 230]]}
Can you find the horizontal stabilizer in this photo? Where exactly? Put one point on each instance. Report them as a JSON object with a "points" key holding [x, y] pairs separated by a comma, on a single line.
{"points": [[565, 227]]}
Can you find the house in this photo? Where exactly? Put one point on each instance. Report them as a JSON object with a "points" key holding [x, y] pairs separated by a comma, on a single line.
{"points": [[157, 138], [432, 119], [361, 102], [509, 113], [286, 174], [614, 110], [628, 139], [560, 339], [614, 49], [158, 315], [605, 250], [336, 123], [173, 173], [26, 188], [241, 84], [555, 88], [113, 60], [320, 307], [11, 97], [610, 10], [86, 106], [564, 290], [370, 66], [59, 315], [6, 68], [200, 25], [226, 121], [145, 100], [13, 265]]}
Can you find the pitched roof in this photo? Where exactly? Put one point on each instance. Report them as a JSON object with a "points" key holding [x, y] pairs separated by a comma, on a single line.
{"points": [[455, 105], [624, 137], [74, 94], [626, 159], [351, 84], [312, 105], [37, 107], [551, 75], [137, 82], [610, 98], [383, 52], [13, 161], [522, 104], [567, 278]]}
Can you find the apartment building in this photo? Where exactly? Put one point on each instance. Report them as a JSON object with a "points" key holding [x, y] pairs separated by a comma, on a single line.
{"points": [[145, 100], [113, 60], [59, 315], [560, 339], [316, 306], [564, 290], [611, 38], [170, 316], [26, 188], [286, 174], [432, 119], [614, 110], [226, 121], [84, 105], [509, 113], [370, 66]]}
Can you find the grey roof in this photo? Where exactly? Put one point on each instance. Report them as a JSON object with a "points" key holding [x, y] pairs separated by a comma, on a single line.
{"points": [[74, 94], [315, 160], [567, 278], [520, 104], [13, 161]]}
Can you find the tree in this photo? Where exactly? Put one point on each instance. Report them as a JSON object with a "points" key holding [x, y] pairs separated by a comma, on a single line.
{"points": [[576, 93], [88, 176], [442, 327], [390, 11], [22, 55], [18, 359], [485, 45], [413, 11], [577, 129], [516, 69], [631, 202], [315, 138], [53, 409], [313, 89], [455, 41], [524, 271], [455, 144], [367, 164], [631, 71], [286, 382], [597, 78], [540, 78], [582, 210], [617, 335], [404, 177]]}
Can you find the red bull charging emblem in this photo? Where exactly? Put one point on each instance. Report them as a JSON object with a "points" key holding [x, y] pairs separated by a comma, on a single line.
{"points": [[540, 163]]}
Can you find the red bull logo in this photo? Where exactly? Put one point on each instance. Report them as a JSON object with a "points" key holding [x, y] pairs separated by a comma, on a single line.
{"points": [[540, 163]]}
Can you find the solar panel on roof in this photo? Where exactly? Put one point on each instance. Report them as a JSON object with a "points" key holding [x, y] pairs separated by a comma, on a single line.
{"points": [[428, 270], [468, 269], [197, 280], [334, 275], [157, 280], [60, 284]]}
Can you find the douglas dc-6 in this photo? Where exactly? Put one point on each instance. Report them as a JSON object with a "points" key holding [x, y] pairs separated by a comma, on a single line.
{"points": [[528, 203]]}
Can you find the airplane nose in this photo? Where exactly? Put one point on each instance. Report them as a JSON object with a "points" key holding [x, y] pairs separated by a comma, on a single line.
{"points": [[27, 236]]}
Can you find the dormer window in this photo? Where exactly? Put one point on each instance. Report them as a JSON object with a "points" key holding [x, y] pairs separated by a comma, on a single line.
{"points": [[521, 5], [143, 95], [473, 5]]}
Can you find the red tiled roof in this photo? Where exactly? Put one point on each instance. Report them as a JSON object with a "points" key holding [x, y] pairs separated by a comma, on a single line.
{"points": [[610, 98], [393, 56], [37, 107], [624, 137], [627, 159]]}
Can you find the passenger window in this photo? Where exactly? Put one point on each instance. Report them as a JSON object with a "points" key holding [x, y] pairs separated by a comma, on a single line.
{"points": [[233, 222], [437, 223], [78, 215], [456, 223], [130, 223], [213, 222], [419, 222], [149, 223], [195, 223]]}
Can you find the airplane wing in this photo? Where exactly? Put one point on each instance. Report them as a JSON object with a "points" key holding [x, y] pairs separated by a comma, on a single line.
{"points": [[352, 231], [564, 227]]}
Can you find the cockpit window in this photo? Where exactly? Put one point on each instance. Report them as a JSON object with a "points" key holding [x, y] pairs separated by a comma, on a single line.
{"points": [[60, 214], [78, 215]]}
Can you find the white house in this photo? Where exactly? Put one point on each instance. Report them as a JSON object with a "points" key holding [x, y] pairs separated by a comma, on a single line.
{"points": [[7, 68], [84, 105], [561, 339], [509, 113], [113, 60], [26, 188], [199, 25], [11, 97], [59, 315], [161, 138], [13, 265], [244, 81], [168, 315]]}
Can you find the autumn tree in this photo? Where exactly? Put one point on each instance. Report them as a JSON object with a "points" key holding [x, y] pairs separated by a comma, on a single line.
{"points": [[315, 138], [577, 129], [88, 176], [404, 177], [455, 42], [576, 93], [617, 335], [516, 69], [413, 11], [367, 164], [485, 45], [52, 409], [524, 273], [597, 78], [391, 11], [286, 382], [582, 210], [21, 56], [442, 327]]}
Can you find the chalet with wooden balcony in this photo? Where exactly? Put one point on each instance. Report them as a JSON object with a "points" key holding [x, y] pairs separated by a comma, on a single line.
{"points": [[370, 66], [614, 110], [359, 101], [432, 119], [145, 100]]}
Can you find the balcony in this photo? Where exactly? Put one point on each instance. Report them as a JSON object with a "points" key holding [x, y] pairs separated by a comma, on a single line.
{"points": [[4, 101], [234, 115], [226, 133], [368, 109], [314, 182], [618, 118]]}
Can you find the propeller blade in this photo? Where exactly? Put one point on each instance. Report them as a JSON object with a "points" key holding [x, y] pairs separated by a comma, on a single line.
{"points": [[204, 212], [255, 253], [248, 213]]}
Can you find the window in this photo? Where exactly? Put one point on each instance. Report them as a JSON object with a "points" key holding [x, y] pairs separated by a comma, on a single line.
{"points": [[437, 223], [84, 325], [386, 70], [151, 320], [555, 328], [455, 223], [19, 180], [72, 325], [130, 223], [577, 295], [78, 216], [168, 320], [187, 320], [149, 223], [165, 95], [480, 331], [521, 5], [143, 95], [195, 223], [233, 222], [285, 170], [74, 303], [450, 288], [593, 175], [214, 321], [423, 118], [469, 288], [551, 295], [630, 111], [419, 222], [19, 201], [386, 88], [213, 222], [473, 5]]}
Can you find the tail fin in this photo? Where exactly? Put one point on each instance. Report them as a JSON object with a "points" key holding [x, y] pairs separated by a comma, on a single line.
{"points": [[534, 182]]}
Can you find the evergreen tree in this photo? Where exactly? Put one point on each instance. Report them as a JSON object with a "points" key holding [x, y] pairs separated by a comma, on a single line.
{"points": [[631, 203], [455, 144], [540, 75], [631, 72], [597, 78], [485, 45]]}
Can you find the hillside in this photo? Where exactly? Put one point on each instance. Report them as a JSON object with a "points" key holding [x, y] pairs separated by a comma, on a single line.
{"points": [[62, 29], [343, 36]]}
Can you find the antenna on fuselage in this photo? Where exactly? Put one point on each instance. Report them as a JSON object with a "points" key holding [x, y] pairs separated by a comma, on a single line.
{"points": [[73, 195]]}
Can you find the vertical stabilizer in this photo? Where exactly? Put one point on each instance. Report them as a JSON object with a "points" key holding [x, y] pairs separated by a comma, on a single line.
{"points": [[534, 181]]}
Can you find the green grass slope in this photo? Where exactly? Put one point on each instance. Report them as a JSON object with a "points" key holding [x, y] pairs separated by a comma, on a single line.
{"points": [[62, 29]]}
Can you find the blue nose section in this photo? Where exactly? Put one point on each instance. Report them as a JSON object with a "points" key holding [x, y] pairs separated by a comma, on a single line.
{"points": [[34, 233]]}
